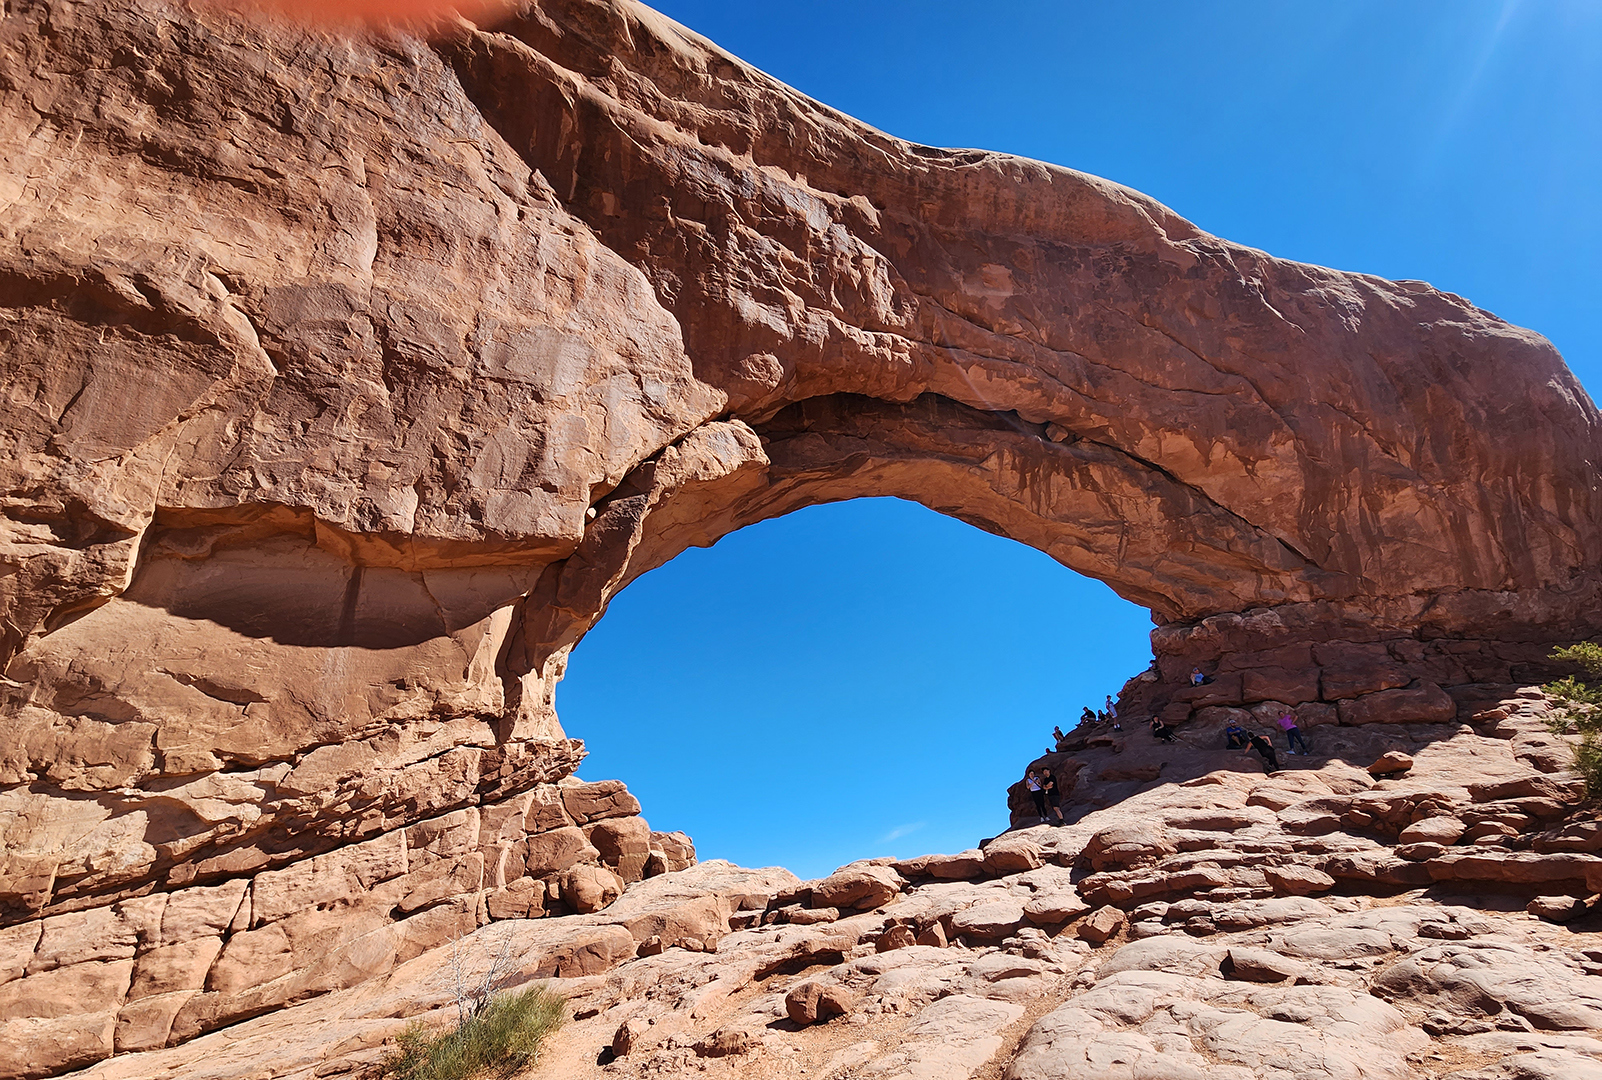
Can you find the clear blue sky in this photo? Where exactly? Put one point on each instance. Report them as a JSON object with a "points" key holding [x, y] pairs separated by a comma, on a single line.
{"points": [[866, 678]]}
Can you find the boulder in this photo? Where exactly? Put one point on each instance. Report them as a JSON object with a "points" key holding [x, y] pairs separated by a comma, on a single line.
{"points": [[1054, 906], [555, 851], [1133, 844], [897, 937], [726, 1042], [1390, 763], [813, 1001], [624, 845], [990, 920], [1012, 855], [1440, 829], [587, 889], [860, 886], [1261, 965], [1558, 909], [805, 916], [631, 1033], [1297, 880], [593, 802], [546, 810], [522, 899], [963, 866], [1101, 925], [670, 853]]}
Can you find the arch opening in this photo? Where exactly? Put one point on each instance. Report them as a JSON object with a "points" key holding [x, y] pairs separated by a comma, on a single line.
{"points": [[852, 680]]}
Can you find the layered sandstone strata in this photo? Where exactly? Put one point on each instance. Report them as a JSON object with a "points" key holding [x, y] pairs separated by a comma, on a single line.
{"points": [[1427, 922], [164, 966], [349, 375]]}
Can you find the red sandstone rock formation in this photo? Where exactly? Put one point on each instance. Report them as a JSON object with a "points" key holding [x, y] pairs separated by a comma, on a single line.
{"points": [[348, 377]]}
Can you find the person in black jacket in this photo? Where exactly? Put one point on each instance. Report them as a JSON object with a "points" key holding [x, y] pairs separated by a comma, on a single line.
{"points": [[1048, 783], [1265, 750]]}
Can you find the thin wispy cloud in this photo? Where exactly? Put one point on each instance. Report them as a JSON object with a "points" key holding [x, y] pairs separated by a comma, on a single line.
{"points": [[901, 830]]}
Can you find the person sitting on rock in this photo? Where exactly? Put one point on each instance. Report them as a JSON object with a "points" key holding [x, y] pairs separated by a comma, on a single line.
{"points": [[1037, 792], [1160, 730], [1198, 679], [1293, 734], [1265, 750], [1235, 737], [1087, 717], [1048, 784], [1056, 733]]}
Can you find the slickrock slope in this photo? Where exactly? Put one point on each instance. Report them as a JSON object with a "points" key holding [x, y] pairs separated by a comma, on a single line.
{"points": [[1239, 925], [348, 376]]}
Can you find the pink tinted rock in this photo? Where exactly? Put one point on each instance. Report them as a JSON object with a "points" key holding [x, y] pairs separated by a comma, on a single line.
{"points": [[1101, 925], [588, 889], [1390, 763], [594, 802], [863, 887]]}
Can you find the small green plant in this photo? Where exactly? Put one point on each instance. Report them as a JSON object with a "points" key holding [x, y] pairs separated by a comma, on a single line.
{"points": [[495, 1035], [498, 1038], [1582, 706]]}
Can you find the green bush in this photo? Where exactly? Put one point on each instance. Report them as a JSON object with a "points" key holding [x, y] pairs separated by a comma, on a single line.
{"points": [[498, 1038], [1582, 706]]}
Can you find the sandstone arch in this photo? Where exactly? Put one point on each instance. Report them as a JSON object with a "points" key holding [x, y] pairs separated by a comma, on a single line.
{"points": [[326, 438]]}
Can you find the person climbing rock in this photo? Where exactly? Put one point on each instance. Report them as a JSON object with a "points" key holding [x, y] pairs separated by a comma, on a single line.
{"points": [[1265, 750], [1048, 784], [1293, 734], [1037, 792], [1160, 730], [1235, 737]]}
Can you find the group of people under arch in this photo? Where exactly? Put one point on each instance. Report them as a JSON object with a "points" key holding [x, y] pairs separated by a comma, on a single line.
{"points": [[1042, 785]]}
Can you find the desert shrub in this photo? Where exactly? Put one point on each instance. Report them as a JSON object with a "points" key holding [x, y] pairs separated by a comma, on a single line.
{"points": [[500, 1036], [1582, 706]]}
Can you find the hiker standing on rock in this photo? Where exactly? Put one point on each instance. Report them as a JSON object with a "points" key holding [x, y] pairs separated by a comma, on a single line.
{"points": [[1293, 734], [1265, 750], [1048, 784], [1112, 710], [1037, 792]]}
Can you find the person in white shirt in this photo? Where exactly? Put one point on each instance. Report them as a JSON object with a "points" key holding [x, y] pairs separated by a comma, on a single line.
{"points": [[1037, 792]]}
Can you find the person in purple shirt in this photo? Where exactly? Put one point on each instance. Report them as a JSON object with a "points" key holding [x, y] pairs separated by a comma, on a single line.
{"points": [[1293, 734]]}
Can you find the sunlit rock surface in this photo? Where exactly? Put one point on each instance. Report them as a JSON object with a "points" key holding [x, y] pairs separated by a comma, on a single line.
{"points": [[349, 374]]}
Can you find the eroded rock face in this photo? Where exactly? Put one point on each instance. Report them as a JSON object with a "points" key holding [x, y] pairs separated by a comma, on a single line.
{"points": [[1189, 930], [349, 376]]}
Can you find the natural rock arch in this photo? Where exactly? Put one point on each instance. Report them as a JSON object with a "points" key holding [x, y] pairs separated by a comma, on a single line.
{"points": [[327, 439]]}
